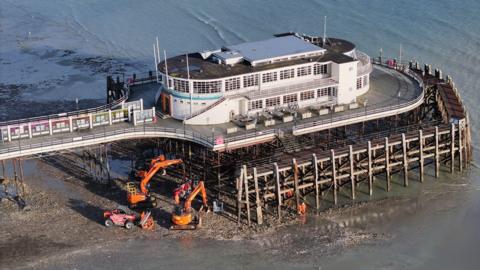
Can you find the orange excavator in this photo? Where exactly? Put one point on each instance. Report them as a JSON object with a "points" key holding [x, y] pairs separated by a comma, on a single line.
{"points": [[142, 199], [183, 217]]}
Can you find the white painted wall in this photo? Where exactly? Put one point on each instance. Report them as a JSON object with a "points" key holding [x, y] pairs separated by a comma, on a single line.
{"points": [[346, 75], [219, 114]]}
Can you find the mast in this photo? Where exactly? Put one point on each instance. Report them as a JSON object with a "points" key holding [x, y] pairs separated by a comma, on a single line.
{"points": [[166, 69], [188, 83], [158, 54], [156, 63], [400, 56], [324, 30]]}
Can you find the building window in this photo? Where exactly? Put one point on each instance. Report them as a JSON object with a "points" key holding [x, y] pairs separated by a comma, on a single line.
{"points": [[287, 74], [232, 84], [359, 83], [250, 80], [323, 92], [272, 102], [207, 87], [319, 69], [304, 71], [269, 77], [255, 104], [307, 95], [365, 80], [332, 91], [290, 98], [327, 91], [181, 86]]}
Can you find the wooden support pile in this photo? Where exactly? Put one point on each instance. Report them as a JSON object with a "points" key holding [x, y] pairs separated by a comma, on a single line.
{"points": [[329, 171]]}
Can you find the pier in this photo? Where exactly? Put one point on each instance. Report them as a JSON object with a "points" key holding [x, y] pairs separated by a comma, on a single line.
{"points": [[412, 118]]}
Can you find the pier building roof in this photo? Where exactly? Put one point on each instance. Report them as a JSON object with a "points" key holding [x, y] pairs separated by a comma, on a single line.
{"points": [[250, 57]]}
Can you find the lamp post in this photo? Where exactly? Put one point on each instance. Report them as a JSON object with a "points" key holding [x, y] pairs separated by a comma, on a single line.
{"points": [[398, 107], [365, 103]]}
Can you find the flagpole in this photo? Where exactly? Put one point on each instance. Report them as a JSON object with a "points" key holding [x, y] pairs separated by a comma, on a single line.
{"points": [[156, 63], [188, 83], [166, 68]]}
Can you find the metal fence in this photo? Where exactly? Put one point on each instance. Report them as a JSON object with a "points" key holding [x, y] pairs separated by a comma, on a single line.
{"points": [[90, 139]]}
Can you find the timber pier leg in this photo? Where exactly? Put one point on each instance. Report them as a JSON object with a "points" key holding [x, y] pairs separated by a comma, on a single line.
{"points": [[352, 176], [295, 182], [370, 172], [247, 197], [257, 198], [460, 146], [239, 195], [334, 176], [276, 175], [405, 160], [315, 179], [452, 147], [420, 158], [437, 154], [387, 163]]}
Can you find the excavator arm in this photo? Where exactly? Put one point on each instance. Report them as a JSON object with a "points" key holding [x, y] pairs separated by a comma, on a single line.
{"points": [[135, 198], [199, 188], [156, 165]]}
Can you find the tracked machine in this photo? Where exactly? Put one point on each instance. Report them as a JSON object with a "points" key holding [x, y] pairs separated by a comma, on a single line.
{"points": [[183, 217], [141, 199]]}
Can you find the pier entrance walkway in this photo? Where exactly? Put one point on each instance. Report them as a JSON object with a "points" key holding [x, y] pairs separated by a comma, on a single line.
{"points": [[391, 93]]}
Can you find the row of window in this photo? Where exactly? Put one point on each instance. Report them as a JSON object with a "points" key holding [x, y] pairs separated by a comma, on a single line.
{"points": [[362, 81], [207, 87], [202, 87], [292, 98]]}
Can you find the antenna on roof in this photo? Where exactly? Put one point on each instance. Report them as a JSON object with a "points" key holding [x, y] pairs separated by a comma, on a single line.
{"points": [[166, 68], [188, 83], [156, 65], [158, 52], [324, 30]]}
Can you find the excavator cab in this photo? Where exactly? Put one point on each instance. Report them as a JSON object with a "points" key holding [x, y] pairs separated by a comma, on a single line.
{"points": [[139, 197], [183, 217]]}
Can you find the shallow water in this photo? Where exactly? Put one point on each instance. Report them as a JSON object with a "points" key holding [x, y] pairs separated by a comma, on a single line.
{"points": [[49, 47]]}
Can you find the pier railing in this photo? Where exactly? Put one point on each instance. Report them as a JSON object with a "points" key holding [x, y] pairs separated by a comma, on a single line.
{"points": [[24, 147]]}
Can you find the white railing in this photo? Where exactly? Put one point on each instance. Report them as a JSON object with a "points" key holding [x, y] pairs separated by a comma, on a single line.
{"points": [[80, 122], [142, 131]]}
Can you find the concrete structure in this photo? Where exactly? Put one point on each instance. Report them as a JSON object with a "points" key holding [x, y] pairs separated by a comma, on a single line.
{"points": [[287, 71]]}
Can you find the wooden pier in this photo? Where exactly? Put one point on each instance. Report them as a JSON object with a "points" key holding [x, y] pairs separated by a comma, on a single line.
{"points": [[283, 185]]}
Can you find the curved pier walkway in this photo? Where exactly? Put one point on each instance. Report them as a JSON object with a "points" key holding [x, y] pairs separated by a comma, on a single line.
{"points": [[134, 117]]}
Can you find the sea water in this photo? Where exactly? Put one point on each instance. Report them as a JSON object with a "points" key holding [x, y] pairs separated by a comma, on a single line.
{"points": [[62, 50]]}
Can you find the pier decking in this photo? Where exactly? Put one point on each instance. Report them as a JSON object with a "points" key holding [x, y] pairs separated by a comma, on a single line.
{"points": [[392, 93], [287, 181]]}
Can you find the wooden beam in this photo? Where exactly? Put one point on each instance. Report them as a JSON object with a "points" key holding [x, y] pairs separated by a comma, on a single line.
{"points": [[257, 198], [460, 145], [420, 159], [387, 163], [405, 161], [239, 195], [437, 154], [334, 176], [370, 172], [295, 183], [452, 147], [276, 176], [352, 175], [247, 197], [315, 179]]}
